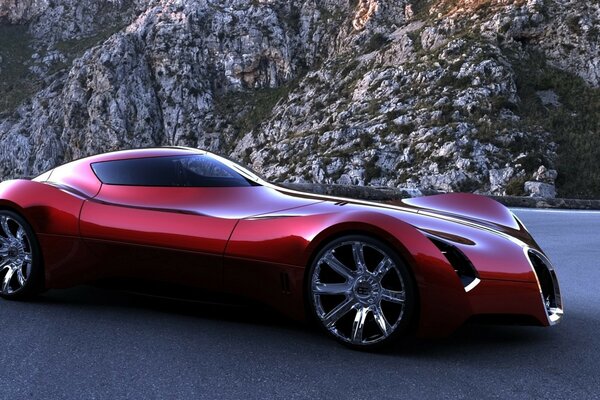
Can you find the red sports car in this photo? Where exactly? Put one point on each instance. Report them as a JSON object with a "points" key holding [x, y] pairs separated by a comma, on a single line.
{"points": [[367, 272]]}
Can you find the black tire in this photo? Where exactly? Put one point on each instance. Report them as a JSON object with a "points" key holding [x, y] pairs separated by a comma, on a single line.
{"points": [[358, 296], [21, 261]]}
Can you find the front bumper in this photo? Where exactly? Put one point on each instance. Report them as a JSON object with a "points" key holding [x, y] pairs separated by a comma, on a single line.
{"points": [[530, 296], [539, 299]]}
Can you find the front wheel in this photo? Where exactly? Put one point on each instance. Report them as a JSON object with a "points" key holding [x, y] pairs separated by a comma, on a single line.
{"points": [[361, 292], [21, 272]]}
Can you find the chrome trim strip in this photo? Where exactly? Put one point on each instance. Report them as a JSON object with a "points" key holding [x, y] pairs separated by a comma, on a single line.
{"points": [[472, 285], [248, 174], [475, 280], [554, 314]]}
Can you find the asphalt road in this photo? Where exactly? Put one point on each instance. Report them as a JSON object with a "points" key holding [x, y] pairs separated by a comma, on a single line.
{"points": [[89, 343]]}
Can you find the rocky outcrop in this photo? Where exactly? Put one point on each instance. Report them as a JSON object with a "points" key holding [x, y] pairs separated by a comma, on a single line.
{"points": [[417, 95], [22, 11]]}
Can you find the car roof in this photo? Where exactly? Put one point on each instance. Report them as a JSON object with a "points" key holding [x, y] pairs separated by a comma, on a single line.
{"points": [[78, 176], [141, 153]]}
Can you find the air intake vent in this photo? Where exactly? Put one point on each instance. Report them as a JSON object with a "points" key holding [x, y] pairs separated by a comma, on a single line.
{"points": [[285, 283], [461, 264], [548, 284]]}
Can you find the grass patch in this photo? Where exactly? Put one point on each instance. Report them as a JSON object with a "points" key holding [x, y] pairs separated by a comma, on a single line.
{"points": [[516, 186], [16, 82], [575, 124], [372, 170], [246, 110], [376, 42]]}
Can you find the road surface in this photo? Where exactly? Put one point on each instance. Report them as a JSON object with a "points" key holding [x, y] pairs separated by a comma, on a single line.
{"points": [[90, 343]]}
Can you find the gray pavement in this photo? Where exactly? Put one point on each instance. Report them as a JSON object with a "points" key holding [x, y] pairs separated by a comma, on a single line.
{"points": [[90, 343]]}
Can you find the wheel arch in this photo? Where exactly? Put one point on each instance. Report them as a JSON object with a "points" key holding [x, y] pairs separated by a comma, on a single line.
{"points": [[442, 304], [372, 232], [38, 278], [371, 224], [9, 205], [359, 229]]}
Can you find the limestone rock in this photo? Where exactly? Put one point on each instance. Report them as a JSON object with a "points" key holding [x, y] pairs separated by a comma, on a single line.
{"points": [[540, 189], [419, 95]]}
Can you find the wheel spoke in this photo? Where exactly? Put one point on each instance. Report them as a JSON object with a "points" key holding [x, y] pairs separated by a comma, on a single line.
{"points": [[338, 312], [4, 226], [3, 251], [381, 321], [331, 288], [359, 256], [4, 264], [7, 278], [359, 324], [20, 233], [27, 258], [392, 296], [20, 277], [338, 267], [383, 267]]}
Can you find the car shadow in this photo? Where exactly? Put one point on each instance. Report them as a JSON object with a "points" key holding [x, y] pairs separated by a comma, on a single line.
{"points": [[471, 338], [214, 309]]}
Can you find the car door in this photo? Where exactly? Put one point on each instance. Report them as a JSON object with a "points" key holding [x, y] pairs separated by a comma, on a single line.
{"points": [[145, 222], [155, 239]]}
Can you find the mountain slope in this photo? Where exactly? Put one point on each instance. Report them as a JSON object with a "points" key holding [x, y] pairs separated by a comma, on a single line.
{"points": [[488, 96]]}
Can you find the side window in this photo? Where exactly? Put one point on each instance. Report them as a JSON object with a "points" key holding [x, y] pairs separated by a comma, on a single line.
{"points": [[180, 171]]}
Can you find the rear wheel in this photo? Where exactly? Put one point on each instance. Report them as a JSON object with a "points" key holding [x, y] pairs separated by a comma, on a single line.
{"points": [[361, 292], [21, 272]]}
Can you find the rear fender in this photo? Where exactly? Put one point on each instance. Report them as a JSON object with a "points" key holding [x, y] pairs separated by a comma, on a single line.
{"points": [[54, 216], [48, 209]]}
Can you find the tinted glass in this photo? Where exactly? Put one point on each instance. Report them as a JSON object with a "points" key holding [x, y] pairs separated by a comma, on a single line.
{"points": [[183, 171]]}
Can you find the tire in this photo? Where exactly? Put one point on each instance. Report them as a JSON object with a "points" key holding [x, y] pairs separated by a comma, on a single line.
{"points": [[361, 292], [21, 269]]}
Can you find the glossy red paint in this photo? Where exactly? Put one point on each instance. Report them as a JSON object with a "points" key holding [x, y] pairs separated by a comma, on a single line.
{"points": [[248, 240], [466, 206]]}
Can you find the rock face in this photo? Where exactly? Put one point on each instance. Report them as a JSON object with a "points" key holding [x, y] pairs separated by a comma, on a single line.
{"points": [[412, 94], [21, 11]]}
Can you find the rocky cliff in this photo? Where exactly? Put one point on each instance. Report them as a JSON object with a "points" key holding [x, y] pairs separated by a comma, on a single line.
{"points": [[491, 96]]}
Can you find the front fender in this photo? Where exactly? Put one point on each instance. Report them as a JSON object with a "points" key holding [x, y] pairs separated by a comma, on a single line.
{"points": [[442, 299]]}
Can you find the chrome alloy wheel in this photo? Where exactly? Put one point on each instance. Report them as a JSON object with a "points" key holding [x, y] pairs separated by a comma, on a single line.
{"points": [[358, 291], [16, 258]]}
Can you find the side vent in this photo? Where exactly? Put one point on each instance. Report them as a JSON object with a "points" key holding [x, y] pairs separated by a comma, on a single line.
{"points": [[285, 283], [461, 264]]}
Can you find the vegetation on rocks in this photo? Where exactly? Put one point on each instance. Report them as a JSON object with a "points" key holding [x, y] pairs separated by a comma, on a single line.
{"points": [[490, 96]]}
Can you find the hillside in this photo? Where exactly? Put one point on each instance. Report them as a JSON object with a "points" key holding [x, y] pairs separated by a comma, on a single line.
{"points": [[488, 96]]}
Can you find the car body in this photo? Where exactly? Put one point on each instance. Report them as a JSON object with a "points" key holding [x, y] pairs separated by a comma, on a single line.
{"points": [[132, 214]]}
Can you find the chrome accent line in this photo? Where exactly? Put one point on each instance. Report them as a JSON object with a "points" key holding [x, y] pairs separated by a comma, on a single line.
{"points": [[254, 177], [554, 314], [472, 285], [521, 224], [475, 280], [272, 216], [474, 225]]}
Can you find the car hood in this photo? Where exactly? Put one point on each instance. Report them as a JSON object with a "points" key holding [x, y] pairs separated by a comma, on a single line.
{"points": [[465, 209]]}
